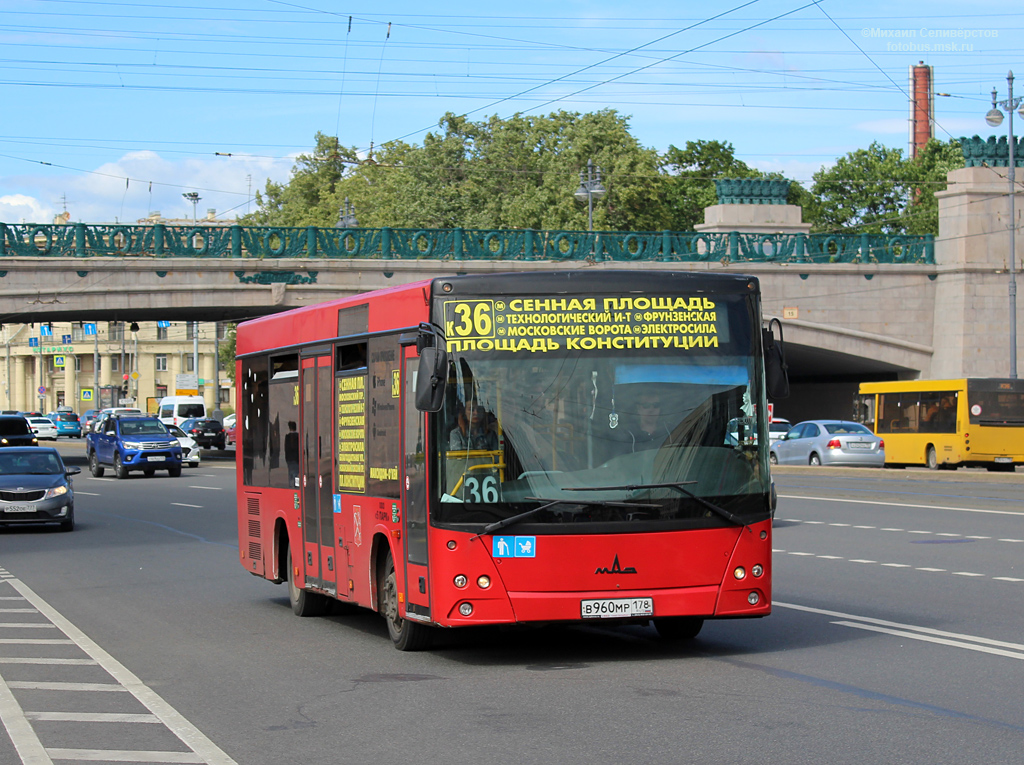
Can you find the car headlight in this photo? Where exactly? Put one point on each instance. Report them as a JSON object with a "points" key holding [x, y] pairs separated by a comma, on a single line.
{"points": [[132, 445], [56, 491]]}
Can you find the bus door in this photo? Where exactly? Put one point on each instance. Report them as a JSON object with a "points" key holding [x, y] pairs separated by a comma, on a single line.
{"points": [[316, 454], [414, 493]]}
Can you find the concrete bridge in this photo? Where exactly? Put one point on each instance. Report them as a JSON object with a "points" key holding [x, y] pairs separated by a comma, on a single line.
{"points": [[854, 308]]}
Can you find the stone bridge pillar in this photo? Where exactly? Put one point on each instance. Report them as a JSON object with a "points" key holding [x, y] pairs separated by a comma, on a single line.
{"points": [[972, 305]]}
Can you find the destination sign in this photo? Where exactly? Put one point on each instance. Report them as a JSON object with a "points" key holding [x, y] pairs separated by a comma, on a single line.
{"points": [[545, 324]]}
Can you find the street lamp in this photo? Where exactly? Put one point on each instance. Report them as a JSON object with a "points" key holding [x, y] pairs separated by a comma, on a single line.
{"points": [[347, 216], [193, 197], [590, 188], [995, 119]]}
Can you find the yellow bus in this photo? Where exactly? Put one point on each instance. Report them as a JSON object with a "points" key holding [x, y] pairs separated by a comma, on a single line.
{"points": [[974, 422]]}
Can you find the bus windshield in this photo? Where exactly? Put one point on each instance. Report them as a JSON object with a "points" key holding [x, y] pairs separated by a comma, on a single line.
{"points": [[590, 432]]}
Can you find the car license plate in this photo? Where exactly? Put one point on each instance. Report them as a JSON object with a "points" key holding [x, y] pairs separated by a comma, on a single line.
{"points": [[208, 433], [616, 608], [20, 509], [1004, 460], [156, 458], [858, 445]]}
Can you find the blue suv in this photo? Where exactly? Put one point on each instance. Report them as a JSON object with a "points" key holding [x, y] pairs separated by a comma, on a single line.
{"points": [[67, 423], [127, 442]]}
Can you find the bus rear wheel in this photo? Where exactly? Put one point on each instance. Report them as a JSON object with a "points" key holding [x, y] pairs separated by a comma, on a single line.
{"points": [[406, 635], [679, 628], [303, 603], [931, 459]]}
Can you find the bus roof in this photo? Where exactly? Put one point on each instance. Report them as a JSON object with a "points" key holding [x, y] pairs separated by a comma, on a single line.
{"points": [[900, 386]]}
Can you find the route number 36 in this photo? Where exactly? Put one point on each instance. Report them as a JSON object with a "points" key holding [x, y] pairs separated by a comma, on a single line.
{"points": [[482, 489], [471, 318]]}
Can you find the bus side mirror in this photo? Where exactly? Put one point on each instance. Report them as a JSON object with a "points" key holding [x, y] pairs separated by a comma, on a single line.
{"points": [[776, 371], [431, 379]]}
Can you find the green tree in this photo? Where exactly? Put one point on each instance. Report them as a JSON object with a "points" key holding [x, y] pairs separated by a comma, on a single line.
{"points": [[879, 191], [226, 353], [519, 172], [308, 199], [690, 186]]}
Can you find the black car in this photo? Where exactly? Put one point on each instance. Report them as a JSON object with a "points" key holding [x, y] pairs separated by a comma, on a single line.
{"points": [[15, 431], [206, 432], [35, 487]]}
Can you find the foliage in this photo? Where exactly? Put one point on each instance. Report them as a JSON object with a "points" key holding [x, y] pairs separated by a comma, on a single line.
{"points": [[227, 353], [878, 191], [691, 183]]}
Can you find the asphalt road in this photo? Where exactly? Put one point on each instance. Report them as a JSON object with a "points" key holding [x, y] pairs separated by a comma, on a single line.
{"points": [[896, 637]]}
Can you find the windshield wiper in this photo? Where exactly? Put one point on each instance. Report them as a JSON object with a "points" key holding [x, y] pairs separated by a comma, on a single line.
{"points": [[678, 486], [497, 525]]}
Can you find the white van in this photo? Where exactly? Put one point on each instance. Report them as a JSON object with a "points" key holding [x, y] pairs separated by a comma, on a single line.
{"points": [[174, 410]]}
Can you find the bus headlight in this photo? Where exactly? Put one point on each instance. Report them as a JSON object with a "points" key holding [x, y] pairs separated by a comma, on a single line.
{"points": [[466, 609], [753, 598], [460, 581], [740, 572], [757, 569], [483, 582]]}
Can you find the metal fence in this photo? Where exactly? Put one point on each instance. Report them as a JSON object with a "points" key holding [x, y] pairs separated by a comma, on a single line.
{"points": [[258, 242]]}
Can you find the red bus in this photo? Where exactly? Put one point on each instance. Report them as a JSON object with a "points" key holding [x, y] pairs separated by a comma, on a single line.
{"points": [[513, 448]]}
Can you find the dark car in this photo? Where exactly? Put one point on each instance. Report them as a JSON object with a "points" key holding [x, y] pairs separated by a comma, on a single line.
{"points": [[15, 431], [206, 432], [35, 487]]}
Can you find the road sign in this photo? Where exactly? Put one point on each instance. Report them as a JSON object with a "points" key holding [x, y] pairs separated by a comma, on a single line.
{"points": [[58, 361], [42, 390], [90, 329], [45, 330], [85, 394], [163, 324], [135, 375], [33, 342]]}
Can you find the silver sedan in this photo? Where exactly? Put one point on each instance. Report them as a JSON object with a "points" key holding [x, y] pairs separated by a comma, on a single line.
{"points": [[829, 442]]}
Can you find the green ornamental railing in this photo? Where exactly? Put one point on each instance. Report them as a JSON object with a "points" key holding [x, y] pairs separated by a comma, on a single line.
{"points": [[263, 242]]}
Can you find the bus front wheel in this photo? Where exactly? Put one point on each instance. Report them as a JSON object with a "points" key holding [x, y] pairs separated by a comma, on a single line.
{"points": [[931, 458], [406, 635]]}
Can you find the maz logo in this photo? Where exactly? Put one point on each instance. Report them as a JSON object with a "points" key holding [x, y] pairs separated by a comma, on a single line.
{"points": [[615, 569]]}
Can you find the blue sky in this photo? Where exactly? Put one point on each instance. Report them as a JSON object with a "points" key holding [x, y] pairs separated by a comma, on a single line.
{"points": [[114, 109]]}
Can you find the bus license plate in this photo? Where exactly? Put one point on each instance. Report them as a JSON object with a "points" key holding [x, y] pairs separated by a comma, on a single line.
{"points": [[616, 608], [155, 458], [1004, 460], [20, 509]]}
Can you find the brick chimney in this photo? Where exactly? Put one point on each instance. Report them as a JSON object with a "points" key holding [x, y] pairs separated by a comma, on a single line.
{"points": [[922, 107]]}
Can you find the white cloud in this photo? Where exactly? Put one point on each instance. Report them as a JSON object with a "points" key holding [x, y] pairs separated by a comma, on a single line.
{"points": [[155, 183], [17, 208], [792, 169]]}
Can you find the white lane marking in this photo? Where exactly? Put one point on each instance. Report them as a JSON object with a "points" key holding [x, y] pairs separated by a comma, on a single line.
{"points": [[915, 531], [40, 660], [126, 755], [27, 625], [208, 488], [864, 527], [206, 751], [11, 597], [919, 532], [976, 537], [35, 641], [829, 557], [893, 529], [839, 524], [812, 523], [1008, 579], [88, 493], [29, 685], [801, 553], [931, 639], [945, 534], [966, 573], [91, 717], [935, 570], [182, 504], [26, 742], [1011, 540], [897, 565], [862, 560], [18, 611], [898, 625], [902, 504]]}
